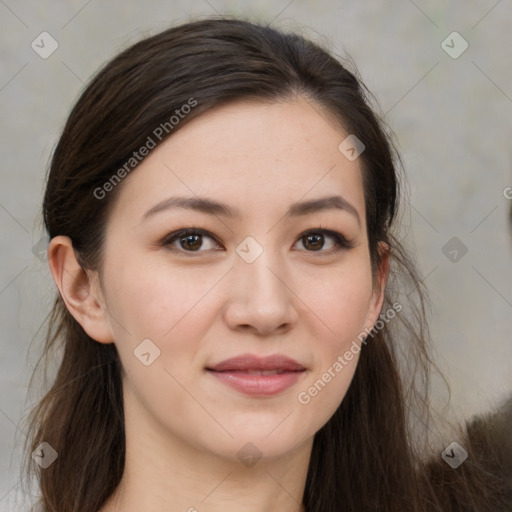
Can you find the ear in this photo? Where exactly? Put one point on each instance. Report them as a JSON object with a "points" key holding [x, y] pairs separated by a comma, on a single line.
{"points": [[79, 289], [379, 288]]}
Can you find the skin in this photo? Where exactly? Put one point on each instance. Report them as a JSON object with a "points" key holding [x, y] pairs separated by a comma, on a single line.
{"points": [[308, 301]]}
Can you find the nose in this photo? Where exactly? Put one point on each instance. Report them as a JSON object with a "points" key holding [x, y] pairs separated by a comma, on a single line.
{"points": [[261, 299]]}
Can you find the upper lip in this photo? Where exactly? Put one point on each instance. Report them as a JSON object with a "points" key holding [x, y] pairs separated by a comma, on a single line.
{"points": [[250, 362]]}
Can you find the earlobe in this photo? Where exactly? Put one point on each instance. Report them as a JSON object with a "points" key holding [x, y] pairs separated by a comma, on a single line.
{"points": [[79, 290]]}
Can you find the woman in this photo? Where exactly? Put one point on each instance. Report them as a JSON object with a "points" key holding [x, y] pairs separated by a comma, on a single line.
{"points": [[237, 317]]}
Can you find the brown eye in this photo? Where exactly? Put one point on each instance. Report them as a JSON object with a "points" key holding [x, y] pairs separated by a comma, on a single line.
{"points": [[192, 242], [314, 241], [189, 240]]}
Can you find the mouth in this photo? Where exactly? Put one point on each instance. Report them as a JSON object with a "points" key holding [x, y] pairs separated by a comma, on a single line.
{"points": [[252, 375], [254, 372]]}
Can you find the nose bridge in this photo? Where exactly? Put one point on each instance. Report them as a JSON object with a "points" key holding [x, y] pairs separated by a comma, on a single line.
{"points": [[259, 295], [258, 266]]}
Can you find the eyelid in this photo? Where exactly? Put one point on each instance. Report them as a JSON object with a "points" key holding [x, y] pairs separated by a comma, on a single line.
{"points": [[341, 242]]}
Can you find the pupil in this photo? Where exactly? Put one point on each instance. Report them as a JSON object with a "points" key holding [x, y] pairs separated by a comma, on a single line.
{"points": [[188, 238], [309, 237]]}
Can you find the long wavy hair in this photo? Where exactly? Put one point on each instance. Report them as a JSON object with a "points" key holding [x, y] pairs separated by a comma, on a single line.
{"points": [[376, 451]]}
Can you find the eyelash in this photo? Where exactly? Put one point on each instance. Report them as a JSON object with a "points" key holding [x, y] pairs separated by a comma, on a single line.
{"points": [[340, 241]]}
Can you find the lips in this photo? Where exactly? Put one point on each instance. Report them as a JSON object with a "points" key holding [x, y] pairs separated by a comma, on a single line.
{"points": [[252, 365], [258, 376]]}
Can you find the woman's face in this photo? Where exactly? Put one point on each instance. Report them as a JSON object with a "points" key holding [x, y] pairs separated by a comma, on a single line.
{"points": [[246, 283]]}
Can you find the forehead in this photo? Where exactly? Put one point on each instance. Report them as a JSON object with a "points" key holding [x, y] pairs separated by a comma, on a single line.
{"points": [[258, 157]]}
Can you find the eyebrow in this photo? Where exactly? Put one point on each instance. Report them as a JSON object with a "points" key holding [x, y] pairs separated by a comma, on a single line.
{"points": [[213, 207]]}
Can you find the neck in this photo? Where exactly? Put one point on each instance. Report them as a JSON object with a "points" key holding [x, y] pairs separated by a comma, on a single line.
{"points": [[170, 482]]}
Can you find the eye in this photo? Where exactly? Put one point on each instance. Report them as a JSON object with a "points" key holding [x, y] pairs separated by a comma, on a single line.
{"points": [[189, 240], [314, 239]]}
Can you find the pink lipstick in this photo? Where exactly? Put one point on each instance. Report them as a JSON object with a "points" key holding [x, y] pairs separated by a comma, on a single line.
{"points": [[258, 376]]}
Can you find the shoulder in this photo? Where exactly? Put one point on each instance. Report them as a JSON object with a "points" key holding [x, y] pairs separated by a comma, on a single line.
{"points": [[483, 482]]}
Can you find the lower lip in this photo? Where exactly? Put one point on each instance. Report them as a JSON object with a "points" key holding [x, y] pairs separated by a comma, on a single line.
{"points": [[261, 385]]}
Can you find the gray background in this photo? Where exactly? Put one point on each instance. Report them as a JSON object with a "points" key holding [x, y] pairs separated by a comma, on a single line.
{"points": [[452, 118]]}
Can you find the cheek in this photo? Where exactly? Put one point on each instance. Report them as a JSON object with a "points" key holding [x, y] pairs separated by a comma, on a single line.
{"points": [[340, 299], [157, 302], [328, 383], [165, 308], [325, 390], [340, 308]]}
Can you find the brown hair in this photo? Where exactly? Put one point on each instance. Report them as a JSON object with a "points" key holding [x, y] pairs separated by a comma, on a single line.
{"points": [[367, 456]]}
